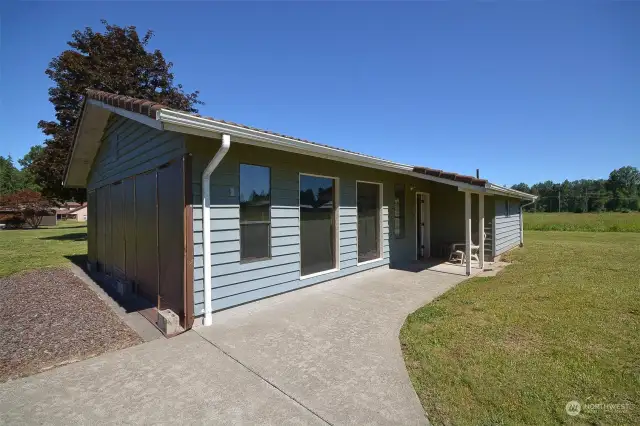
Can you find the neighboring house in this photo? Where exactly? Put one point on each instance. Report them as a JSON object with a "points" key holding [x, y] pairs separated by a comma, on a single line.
{"points": [[78, 213], [280, 213]]}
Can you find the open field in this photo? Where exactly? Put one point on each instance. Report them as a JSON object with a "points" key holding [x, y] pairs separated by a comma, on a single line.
{"points": [[559, 324], [24, 249], [593, 222]]}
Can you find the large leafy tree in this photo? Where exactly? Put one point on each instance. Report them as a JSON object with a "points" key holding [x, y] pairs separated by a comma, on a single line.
{"points": [[28, 176], [623, 184], [115, 61]]}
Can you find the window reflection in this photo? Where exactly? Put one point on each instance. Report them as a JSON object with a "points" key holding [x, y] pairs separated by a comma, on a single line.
{"points": [[255, 212], [317, 224], [368, 221]]}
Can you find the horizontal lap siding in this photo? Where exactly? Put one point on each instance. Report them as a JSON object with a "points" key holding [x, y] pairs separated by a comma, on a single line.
{"points": [[129, 148], [233, 282], [507, 225]]}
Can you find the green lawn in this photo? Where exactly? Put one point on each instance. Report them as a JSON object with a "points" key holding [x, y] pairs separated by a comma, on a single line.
{"points": [[561, 323], [36, 248], [598, 222]]}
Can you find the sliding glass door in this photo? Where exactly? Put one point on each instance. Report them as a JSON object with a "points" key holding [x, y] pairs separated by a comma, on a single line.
{"points": [[317, 224], [368, 221]]}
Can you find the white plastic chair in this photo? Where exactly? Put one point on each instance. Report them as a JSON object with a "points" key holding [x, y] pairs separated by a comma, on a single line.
{"points": [[458, 254]]}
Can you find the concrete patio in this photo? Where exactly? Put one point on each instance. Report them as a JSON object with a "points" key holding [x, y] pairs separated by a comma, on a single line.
{"points": [[325, 354]]}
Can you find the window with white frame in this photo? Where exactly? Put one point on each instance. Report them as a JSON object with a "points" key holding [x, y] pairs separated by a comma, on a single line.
{"points": [[255, 212]]}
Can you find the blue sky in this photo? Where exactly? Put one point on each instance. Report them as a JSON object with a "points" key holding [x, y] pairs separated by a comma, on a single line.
{"points": [[525, 91]]}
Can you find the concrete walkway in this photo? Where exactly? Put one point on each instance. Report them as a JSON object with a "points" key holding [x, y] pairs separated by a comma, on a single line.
{"points": [[325, 354]]}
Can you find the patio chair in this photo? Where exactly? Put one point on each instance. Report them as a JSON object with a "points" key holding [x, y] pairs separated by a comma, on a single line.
{"points": [[457, 252]]}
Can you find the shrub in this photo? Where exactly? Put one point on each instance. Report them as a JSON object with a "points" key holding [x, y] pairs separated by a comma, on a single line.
{"points": [[30, 205]]}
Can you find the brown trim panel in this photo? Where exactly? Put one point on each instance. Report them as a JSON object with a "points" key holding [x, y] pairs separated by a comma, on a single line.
{"points": [[188, 244]]}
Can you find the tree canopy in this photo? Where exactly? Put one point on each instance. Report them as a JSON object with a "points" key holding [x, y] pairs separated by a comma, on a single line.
{"points": [[621, 192], [115, 61], [12, 179]]}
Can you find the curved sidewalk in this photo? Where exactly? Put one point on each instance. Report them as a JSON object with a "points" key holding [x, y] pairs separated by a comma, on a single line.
{"points": [[325, 354], [334, 347]]}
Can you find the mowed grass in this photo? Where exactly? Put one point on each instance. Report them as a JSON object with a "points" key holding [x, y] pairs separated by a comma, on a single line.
{"points": [[24, 249], [561, 323], [592, 222]]}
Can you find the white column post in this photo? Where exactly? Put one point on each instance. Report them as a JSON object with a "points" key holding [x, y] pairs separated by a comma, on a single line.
{"points": [[481, 229], [467, 230]]}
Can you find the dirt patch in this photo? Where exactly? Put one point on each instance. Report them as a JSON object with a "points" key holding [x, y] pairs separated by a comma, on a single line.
{"points": [[518, 340], [49, 317]]}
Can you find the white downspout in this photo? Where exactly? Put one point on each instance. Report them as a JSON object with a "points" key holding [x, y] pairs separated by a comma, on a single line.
{"points": [[522, 221], [206, 224]]}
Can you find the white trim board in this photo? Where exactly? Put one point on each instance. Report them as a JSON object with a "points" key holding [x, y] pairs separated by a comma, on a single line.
{"points": [[140, 118]]}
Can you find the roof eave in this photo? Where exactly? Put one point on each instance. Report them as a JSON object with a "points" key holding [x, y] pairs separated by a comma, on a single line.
{"points": [[187, 123], [492, 188]]}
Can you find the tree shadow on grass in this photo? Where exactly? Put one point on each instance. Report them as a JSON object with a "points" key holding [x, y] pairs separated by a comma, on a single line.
{"points": [[75, 236]]}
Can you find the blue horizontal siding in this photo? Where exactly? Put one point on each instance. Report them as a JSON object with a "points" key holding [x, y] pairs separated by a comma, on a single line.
{"points": [[129, 148], [254, 274], [507, 225], [289, 285], [235, 282]]}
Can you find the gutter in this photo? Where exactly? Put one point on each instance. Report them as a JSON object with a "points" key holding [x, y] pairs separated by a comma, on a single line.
{"points": [[501, 190], [188, 123], [206, 223], [182, 122]]}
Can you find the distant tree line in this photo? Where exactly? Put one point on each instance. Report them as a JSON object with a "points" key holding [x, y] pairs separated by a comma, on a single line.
{"points": [[620, 192]]}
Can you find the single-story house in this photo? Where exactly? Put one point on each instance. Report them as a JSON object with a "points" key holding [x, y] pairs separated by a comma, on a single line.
{"points": [[74, 212], [280, 213]]}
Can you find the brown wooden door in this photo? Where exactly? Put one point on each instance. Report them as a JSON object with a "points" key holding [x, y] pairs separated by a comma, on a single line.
{"points": [[117, 231], [171, 236], [146, 236], [92, 223], [100, 227], [128, 192]]}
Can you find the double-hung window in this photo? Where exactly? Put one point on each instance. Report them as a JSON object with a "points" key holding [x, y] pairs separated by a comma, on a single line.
{"points": [[255, 212]]}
